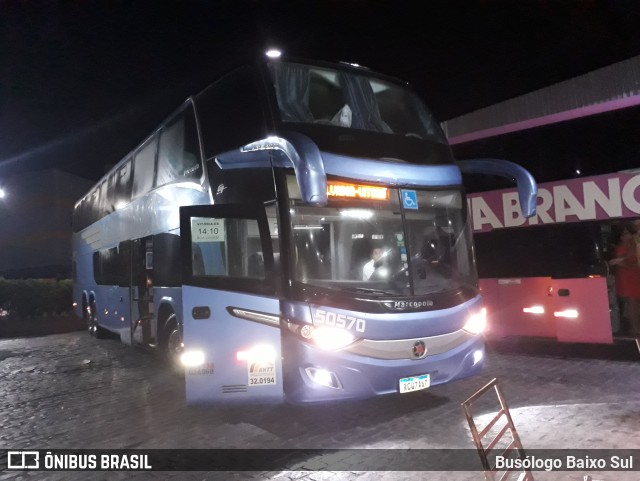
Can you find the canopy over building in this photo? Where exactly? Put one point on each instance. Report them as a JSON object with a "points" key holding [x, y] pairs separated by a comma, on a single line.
{"points": [[614, 87]]}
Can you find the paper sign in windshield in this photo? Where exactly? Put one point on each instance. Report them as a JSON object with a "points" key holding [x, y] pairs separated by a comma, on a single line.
{"points": [[206, 229]]}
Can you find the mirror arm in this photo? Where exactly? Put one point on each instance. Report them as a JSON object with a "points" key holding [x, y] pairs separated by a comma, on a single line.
{"points": [[527, 187]]}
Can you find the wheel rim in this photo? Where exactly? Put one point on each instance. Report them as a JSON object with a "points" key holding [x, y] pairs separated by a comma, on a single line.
{"points": [[175, 345], [89, 314]]}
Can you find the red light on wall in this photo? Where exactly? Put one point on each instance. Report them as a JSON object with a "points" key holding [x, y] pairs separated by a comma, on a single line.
{"points": [[567, 313]]}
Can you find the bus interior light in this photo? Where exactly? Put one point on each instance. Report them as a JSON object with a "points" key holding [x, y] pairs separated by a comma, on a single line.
{"points": [[382, 272], [568, 313], [533, 310], [192, 358], [361, 214], [477, 322]]}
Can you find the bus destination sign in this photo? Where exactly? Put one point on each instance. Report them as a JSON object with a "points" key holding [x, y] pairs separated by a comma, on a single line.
{"points": [[357, 191]]}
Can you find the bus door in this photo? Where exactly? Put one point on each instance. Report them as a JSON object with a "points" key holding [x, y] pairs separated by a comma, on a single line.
{"points": [[231, 321], [141, 292]]}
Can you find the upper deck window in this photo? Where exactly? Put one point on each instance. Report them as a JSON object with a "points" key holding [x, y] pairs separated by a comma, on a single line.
{"points": [[179, 151], [144, 168], [318, 95]]}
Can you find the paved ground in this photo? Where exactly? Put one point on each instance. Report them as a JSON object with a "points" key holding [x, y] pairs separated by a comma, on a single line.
{"points": [[72, 391]]}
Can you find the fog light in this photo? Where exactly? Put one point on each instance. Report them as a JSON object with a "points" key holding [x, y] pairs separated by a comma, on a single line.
{"points": [[477, 356], [323, 377], [192, 358]]}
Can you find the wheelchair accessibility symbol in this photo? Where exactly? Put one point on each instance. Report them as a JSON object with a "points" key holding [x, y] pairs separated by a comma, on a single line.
{"points": [[409, 199]]}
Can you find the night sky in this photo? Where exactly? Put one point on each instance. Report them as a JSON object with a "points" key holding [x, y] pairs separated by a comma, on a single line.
{"points": [[81, 83]]}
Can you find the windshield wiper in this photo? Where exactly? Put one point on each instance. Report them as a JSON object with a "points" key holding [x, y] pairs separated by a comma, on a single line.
{"points": [[368, 290]]}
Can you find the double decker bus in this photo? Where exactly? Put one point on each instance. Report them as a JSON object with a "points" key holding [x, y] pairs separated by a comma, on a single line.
{"points": [[296, 231]]}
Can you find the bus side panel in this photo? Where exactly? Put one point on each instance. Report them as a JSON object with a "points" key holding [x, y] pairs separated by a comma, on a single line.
{"points": [[113, 311], [506, 300], [227, 376], [589, 297]]}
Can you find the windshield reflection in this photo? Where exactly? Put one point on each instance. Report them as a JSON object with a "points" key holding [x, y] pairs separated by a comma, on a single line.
{"points": [[379, 248], [340, 98]]}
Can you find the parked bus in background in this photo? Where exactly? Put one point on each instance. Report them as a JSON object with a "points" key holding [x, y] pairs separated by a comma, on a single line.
{"points": [[583, 148], [552, 275], [238, 238]]}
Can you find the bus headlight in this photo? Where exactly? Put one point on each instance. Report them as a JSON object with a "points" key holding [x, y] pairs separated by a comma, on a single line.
{"points": [[332, 338], [476, 323], [325, 337]]}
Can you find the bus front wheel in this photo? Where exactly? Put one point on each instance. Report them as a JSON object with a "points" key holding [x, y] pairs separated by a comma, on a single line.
{"points": [[172, 346]]}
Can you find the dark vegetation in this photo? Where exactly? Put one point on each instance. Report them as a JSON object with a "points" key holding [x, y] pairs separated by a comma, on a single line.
{"points": [[34, 307]]}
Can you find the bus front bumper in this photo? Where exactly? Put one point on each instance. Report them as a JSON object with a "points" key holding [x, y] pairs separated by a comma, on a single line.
{"points": [[313, 375]]}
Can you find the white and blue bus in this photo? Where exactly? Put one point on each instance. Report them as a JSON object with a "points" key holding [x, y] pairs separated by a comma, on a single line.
{"points": [[297, 231]]}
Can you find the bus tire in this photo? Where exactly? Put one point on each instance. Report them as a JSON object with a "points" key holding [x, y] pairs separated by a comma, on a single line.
{"points": [[171, 345], [86, 315], [94, 328]]}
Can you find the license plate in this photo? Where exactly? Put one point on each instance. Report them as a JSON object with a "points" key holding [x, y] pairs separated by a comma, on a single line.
{"points": [[415, 383]]}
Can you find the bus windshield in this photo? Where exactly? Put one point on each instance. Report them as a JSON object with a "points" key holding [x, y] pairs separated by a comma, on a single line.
{"points": [[317, 95], [383, 241]]}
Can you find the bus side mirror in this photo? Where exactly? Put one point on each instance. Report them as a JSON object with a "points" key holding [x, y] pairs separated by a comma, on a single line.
{"points": [[527, 187]]}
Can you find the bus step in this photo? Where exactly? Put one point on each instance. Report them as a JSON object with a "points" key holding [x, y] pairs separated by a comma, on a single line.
{"points": [[505, 442]]}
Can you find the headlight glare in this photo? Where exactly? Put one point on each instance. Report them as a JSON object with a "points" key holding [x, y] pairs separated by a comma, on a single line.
{"points": [[477, 322]]}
